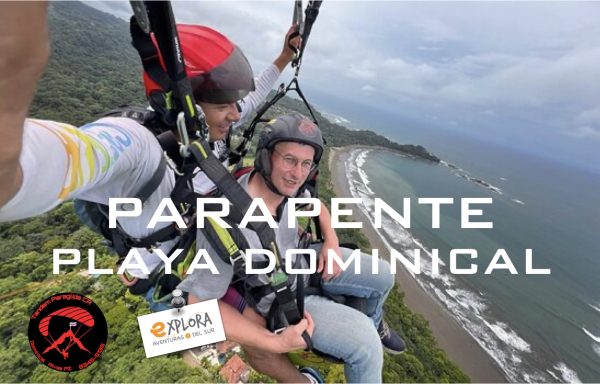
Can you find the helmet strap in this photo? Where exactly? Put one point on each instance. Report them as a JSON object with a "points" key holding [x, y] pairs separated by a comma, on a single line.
{"points": [[273, 188], [270, 185]]}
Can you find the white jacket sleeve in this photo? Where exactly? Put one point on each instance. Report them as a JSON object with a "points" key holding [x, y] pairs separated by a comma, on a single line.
{"points": [[263, 83], [111, 157]]}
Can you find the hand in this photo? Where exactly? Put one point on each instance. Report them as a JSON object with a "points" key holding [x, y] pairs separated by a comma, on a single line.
{"points": [[324, 260], [290, 339], [287, 54], [126, 281]]}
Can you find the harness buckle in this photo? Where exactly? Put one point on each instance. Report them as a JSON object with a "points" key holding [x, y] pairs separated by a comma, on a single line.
{"points": [[183, 134], [172, 164], [241, 255]]}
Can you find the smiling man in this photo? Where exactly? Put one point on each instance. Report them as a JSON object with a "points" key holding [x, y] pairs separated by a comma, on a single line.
{"points": [[287, 155]]}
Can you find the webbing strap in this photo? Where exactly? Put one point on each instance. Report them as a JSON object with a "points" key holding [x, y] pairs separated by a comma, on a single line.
{"points": [[225, 238], [152, 184], [287, 302], [310, 15], [235, 155], [142, 42], [238, 197], [230, 245], [122, 242]]}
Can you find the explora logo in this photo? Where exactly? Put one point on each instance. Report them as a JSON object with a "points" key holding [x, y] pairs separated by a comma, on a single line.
{"points": [[175, 326]]}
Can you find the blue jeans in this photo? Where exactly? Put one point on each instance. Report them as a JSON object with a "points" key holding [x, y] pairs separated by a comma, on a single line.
{"points": [[346, 333]]}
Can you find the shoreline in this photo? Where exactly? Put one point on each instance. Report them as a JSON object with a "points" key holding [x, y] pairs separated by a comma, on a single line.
{"points": [[461, 348]]}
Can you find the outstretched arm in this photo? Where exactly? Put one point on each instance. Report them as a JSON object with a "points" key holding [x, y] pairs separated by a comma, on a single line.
{"points": [[25, 51], [94, 163]]}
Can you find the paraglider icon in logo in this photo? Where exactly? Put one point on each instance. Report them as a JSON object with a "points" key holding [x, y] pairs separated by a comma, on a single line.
{"points": [[74, 313], [67, 332]]}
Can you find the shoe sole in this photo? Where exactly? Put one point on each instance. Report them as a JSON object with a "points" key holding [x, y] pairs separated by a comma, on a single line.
{"points": [[391, 351]]}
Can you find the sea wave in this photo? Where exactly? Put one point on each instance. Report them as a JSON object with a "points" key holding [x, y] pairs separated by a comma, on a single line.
{"points": [[360, 160], [568, 375], [510, 337], [554, 375], [358, 180], [456, 170], [468, 300], [334, 118], [596, 307], [591, 335], [468, 307], [518, 201]]}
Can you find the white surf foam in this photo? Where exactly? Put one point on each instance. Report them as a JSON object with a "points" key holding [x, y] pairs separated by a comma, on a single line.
{"points": [[457, 171], [518, 201], [335, 118], [553, 375], [568, 375], [591, 335], [596, 307], [468, 300], [508, 336]]}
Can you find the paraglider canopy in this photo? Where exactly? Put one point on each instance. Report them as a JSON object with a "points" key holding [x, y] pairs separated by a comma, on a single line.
{"points": [[73, 313]]}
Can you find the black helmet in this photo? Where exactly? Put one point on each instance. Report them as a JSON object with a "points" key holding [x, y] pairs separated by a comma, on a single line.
{"points": [[293, 127]]}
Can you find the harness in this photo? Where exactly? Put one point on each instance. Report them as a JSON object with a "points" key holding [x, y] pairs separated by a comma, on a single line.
{"points": [[231, 245]]}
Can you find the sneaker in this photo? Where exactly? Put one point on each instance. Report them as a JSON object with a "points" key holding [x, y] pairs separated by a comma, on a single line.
{"points": [[312, 374], [391, 341]]}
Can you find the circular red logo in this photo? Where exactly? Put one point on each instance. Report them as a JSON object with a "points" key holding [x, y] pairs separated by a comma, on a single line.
{"points": [[307, 128], [67, 332]]}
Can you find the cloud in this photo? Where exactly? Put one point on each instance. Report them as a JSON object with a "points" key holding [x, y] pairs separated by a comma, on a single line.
{"points": [[367, 89], [589, 116], [585, 132], [430, 52], [434, 30], [361, 71], [504, 63], [532, 81]]}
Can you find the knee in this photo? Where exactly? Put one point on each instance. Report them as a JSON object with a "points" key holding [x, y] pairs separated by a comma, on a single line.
{"points": [[367, 349], [385, 272], [384, 277]]}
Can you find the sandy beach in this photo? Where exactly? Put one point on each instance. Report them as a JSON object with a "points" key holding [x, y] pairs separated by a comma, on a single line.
{"points": [[460, 346]]}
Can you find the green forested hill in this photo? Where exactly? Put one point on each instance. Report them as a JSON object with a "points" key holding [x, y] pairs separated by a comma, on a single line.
{"points": [[93, 69]]}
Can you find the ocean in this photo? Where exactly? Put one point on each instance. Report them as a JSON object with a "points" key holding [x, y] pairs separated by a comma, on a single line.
{"points": [[538, 328]]}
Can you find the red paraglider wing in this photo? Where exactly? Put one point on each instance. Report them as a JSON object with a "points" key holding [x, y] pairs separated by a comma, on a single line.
{"points": [[74, 313]]}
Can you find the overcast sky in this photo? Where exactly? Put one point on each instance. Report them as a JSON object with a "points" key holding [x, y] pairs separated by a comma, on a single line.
{"points": [[523, 73]]}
